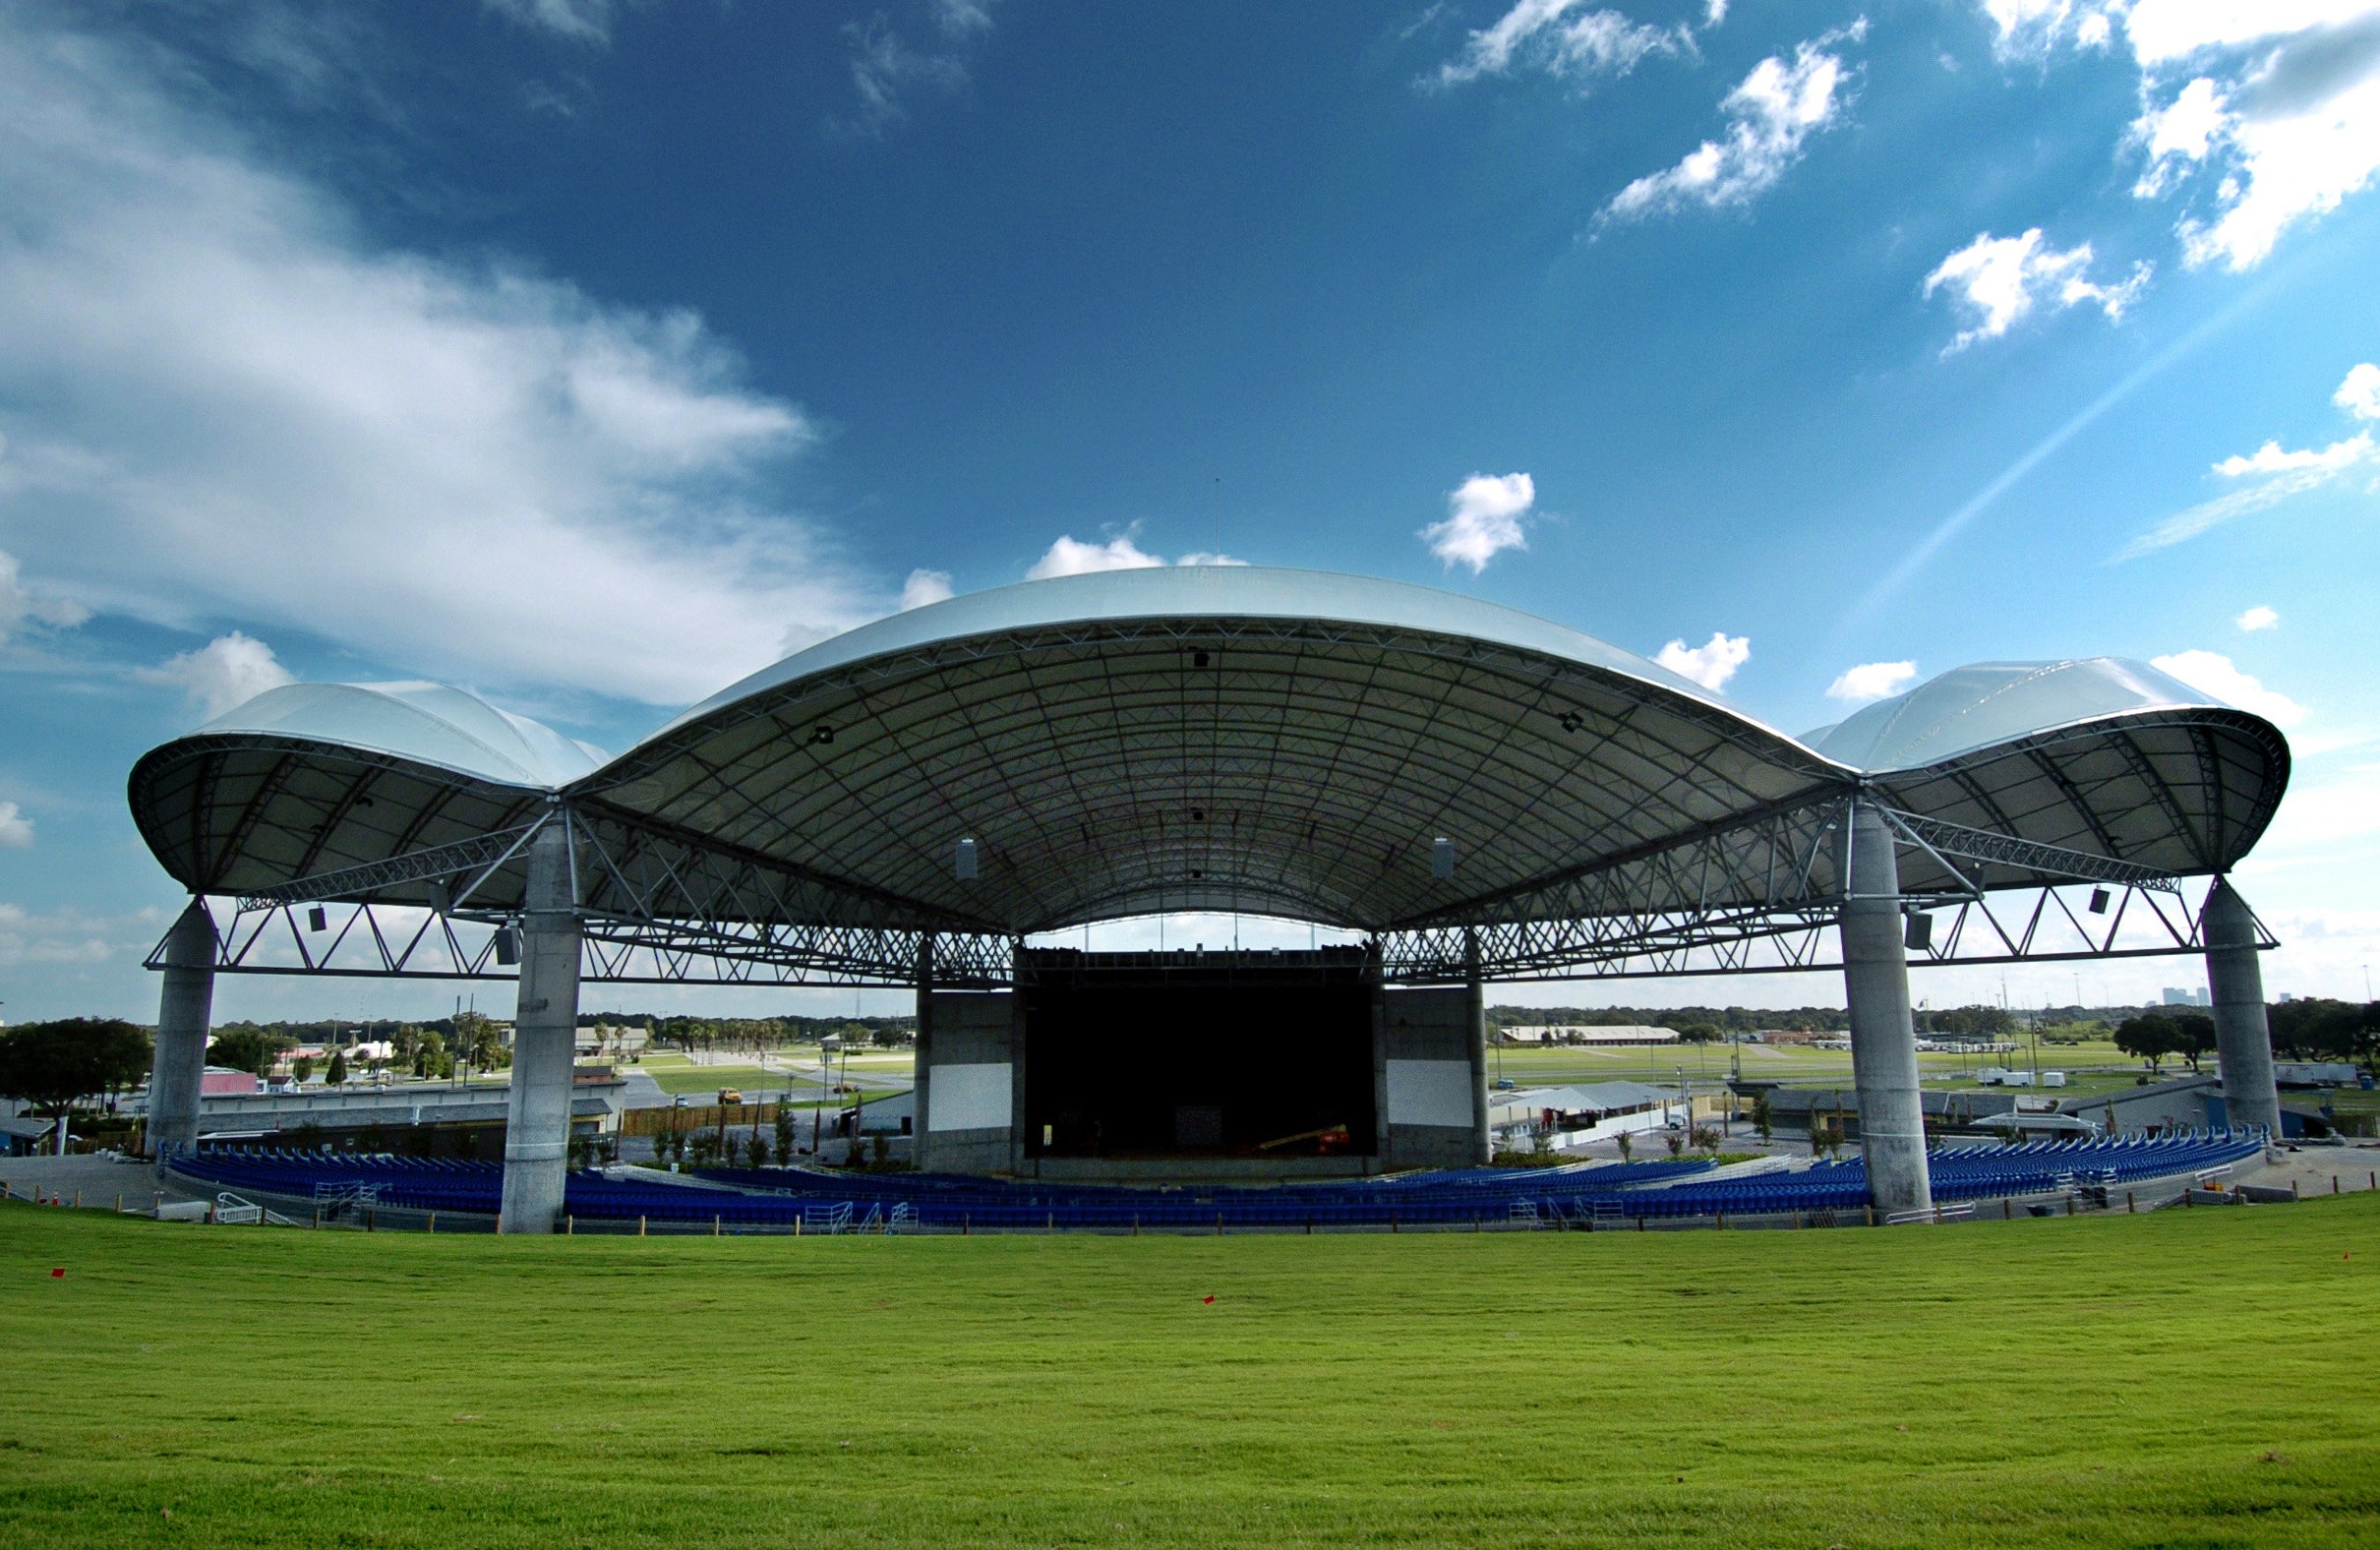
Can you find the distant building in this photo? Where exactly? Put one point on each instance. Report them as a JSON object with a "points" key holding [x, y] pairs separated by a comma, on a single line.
{"points": [[2176, 997], [224, 1082], [1589, 1033]]}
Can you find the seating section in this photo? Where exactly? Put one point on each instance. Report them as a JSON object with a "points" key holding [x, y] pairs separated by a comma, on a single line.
{"points": [[778, 1198]]}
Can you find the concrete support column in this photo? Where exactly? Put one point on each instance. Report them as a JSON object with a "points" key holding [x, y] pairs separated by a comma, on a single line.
{"points": [[545, 1029], [920, 1144], [182, 1011], [1475, 1041], [2244, 1044], [1883, 1042]]}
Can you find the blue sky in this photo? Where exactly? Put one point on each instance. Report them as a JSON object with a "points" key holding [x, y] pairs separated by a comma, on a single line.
{"points": [[592, 354]]}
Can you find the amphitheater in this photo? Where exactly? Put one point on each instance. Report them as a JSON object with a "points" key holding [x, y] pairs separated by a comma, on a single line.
{"points": [[938, 800]]}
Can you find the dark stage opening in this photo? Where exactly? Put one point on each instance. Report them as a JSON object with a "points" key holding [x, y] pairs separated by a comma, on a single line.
{"points": [[1197, 1055]]}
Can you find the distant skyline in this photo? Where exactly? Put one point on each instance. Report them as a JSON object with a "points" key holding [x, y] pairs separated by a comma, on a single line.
{"points": [[590, 354]]}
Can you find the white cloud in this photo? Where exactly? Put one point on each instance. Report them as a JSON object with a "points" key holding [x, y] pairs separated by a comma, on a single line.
{"points": [[1484, 516], [1711, 664], [886, 68], [227, 672], [924, 587], [229, 403], [2359, 393], [1997, 280], [2270, 458], [1714, 12], [1564, 38], [1770, 113], [2258, 617], [2213, 672], [2278, 472], [20, 607], [580, 21], [1071, 557], [1871, 681], [2163, 32], [2184, 131], [2210, 515], [2282, 99], [15, 829], [2031, 28], [67, 935]]}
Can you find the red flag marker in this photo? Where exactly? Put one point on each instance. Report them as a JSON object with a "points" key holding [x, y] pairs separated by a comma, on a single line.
{"points": [[1209, 1295], [58, 1272]]}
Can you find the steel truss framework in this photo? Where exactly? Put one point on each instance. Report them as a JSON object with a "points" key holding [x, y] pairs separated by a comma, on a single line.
{"points": [[661, 906]]}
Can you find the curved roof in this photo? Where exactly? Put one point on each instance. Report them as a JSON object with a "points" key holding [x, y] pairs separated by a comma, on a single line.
{"points": [[426, 723], [1988, 702], [1217, 737]]}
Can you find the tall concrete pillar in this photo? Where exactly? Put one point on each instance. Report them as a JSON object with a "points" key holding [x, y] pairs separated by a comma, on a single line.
{"points": [[182, 1011], [1475, 1040], [2244, 1044], [1883, 1042], [545, 1029], [921, 1146]]}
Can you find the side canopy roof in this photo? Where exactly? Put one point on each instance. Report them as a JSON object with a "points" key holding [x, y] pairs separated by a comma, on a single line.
{"points": [[1211, 737]]}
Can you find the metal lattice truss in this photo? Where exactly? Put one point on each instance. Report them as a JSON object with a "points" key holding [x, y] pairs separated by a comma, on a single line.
{"points": [[2073, 905], [661, 908], [1426, 770]]}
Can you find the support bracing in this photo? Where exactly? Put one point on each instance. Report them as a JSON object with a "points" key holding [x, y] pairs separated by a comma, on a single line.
{"points": [[1883, 1042], [183, 1010], [545, 1029], [2244, 1044]]}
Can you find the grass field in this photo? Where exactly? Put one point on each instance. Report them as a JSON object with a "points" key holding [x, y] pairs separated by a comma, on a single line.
{"points": [[2101, 1066], [2183, 1379]]}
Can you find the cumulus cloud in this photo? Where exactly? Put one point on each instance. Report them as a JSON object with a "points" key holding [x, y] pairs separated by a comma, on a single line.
{"points": [[2258, 617], [1568, 40], [924, 587], [2279, 99], [1871, 681], [21, 606], [1711, 664], [1484, 517], [15, 829], [1771, 114], [1997, 281], [891, 61], [227, 401], [227, 672], [1071, 557], [2213, 672], [2359, 395], [2270, 459], [2179, 135]]}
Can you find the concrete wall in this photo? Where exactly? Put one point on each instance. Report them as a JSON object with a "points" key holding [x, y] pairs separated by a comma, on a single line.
{"points": [[1427, 1080], [971, 1083]]}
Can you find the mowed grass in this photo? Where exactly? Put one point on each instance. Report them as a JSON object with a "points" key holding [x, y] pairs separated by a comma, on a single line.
{"points": [[2184, 1379]]}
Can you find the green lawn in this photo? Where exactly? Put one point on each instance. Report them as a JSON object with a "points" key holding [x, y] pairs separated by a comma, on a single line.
{"points": [[2090, 1067], [2180, 1379]]}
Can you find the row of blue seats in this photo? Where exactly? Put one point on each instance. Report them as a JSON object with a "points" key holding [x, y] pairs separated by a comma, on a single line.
{"points": [[781, 1195]]}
